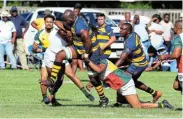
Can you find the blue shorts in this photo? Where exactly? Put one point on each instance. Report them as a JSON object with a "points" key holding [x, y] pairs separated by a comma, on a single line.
{"points": [[94, 56], [135, 71], [104, 56]]}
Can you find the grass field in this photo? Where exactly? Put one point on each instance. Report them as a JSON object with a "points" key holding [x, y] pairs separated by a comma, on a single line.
{"points": [[20, 98]]}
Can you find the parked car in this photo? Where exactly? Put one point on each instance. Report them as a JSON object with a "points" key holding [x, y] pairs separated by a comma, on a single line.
{"points": [[27, 16], [118, 18], [90, 15]]}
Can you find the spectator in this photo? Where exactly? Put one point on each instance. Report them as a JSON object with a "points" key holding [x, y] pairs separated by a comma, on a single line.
{"points": [[39, 22], [19, 23], [154, 63], [127, 18], [167, 30], [7, 40], [155, 32], [141, 30]]}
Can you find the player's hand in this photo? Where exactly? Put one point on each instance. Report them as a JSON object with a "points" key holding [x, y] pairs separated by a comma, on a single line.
{"points": [[101, 51], [85, 58], [102, 48], [161, 57], [149, 69]]}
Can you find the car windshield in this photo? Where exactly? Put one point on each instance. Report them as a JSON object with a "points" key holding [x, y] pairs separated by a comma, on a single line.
{"points": [[92, 17], [116, 21], [24, 15], [58, 15]]}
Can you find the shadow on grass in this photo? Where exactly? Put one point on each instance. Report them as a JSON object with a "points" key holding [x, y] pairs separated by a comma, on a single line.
{"points": [[90, 105], [85, 80], [64, 100], [178, 109]]}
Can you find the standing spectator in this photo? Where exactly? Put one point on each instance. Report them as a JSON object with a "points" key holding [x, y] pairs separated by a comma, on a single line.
{"points": [[19, 23], [167, 30], [7, 40], [141, 30], [127, 18], [38, 24], [156, 31]]}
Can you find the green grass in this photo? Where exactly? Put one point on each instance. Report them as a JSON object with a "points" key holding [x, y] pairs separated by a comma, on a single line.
{"points": [[20, 97]]}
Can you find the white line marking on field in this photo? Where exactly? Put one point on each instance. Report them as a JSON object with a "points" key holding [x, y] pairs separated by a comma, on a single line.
{"points": [[67, 81]]}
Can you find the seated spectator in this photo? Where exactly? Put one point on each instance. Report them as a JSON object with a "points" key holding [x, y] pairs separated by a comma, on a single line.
{"points": [[7, 40], [155, 32], [167, 30], [154, 63], [141, 30]]}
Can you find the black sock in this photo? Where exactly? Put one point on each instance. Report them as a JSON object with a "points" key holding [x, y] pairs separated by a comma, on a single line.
{"points": [[151, 91], [83, 89], [44, 95], [56, 71], [160, 105]]}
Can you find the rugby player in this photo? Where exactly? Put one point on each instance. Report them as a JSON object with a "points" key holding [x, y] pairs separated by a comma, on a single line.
{"points": [[134, 53]]}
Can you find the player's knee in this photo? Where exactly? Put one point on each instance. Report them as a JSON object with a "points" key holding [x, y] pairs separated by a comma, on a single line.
{"points": [[70, 75], [176, 87], [60, 56], [74, 61]]}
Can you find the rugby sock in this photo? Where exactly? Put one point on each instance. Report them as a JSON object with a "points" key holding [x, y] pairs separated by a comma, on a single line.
{"points": [[56, 86], [83, 89], [151, 91], [160, 105], [56, 70], [100, 92], [44, 95]]}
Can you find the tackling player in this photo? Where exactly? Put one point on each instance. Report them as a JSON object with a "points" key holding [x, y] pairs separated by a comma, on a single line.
{"points": [[177, 54], [134, 53]]}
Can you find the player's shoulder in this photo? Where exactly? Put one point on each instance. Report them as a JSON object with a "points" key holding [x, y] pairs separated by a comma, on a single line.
{"points": [[108, 27], [80, 20], [178, 39], [131, 41], [132, 37]]}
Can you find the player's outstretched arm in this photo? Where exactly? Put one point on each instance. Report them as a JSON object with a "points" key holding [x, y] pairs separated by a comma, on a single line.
{"points": [[121, 59], [97, 68], [87, 41], [176, 54]]}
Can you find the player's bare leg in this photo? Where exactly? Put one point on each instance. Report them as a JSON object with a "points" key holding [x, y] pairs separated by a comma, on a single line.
{"points": [[69, 73], [44, 76], [74, 65], [133, 100]]}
